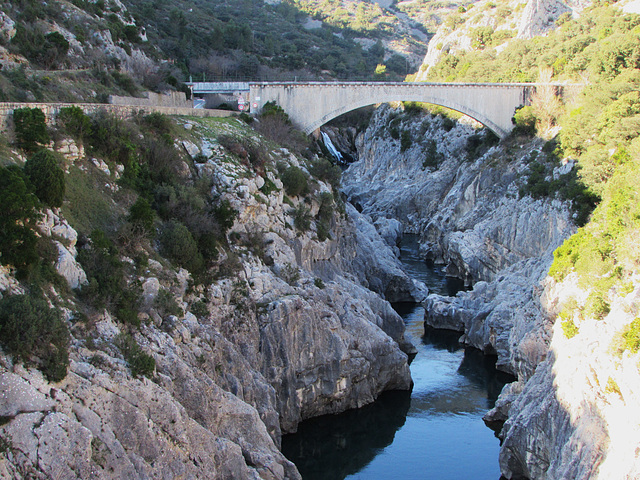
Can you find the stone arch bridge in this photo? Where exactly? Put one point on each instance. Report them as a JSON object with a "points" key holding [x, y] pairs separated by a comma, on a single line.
{"points": [[312, 104]]}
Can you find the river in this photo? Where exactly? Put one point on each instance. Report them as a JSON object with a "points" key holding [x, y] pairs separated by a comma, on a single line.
{"points": [[433, 432]]}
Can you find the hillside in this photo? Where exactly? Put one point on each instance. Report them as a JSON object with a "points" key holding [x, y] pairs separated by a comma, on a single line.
{"points": [[83, 50]]}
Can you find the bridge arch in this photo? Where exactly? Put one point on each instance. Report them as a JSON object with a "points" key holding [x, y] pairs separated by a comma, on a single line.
{"points": [[311, 105], [487, 122]]}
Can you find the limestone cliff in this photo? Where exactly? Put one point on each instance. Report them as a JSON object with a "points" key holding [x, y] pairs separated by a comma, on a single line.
{"points": [[568, 413], [296, 327], [505, 20]]}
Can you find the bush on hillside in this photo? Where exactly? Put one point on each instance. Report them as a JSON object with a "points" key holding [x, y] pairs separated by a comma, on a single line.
{"points": [[30, 128], [225, 215], [524, 120], [46, 177], [179, 245], [294, 181], [139, 362], [326, 171], [30, 329], [74, 122], [19, 215], [143, 215], [107, 287]]}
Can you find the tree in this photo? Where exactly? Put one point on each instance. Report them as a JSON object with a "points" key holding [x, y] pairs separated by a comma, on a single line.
{"points": [[294, 181], [19, 215], [75, 122], [47, 177], [178, 244], [29, 328], [30, 128]]}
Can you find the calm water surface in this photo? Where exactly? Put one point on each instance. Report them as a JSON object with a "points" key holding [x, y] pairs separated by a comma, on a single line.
{"points": [[434, 432]]}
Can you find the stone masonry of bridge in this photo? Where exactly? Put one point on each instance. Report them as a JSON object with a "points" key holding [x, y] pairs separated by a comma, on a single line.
{"points": [[311, 105]]}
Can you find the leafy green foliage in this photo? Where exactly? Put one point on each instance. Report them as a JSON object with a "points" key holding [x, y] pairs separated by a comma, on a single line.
{"points": [[142, 214], [225, 215], [106, 273], [75, 122], [405, 141], [326, 171], [432, 158], [294, 181], [632, 336], [17, 238], [45, 49], [301, 218], [166, 304], [30, 128], [569, 328], [46, 177], [179, 245], [139, 362], [524, 120], [30, 329]]}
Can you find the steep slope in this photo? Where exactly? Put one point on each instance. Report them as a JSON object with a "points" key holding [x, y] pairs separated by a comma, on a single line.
{"points": [[194, 373]]}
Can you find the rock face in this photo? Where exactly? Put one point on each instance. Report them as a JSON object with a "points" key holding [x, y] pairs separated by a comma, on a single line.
{"points": [[566, 415], [299, 328], [536, 18], [573, 417]]}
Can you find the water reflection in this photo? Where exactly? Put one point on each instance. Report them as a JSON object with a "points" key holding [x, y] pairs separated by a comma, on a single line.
{"points": [[434, 432], [334, 446], [441, 339]]}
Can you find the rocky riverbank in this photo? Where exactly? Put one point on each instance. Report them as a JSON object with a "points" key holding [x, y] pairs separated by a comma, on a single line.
{"points": [[474, 220], [299, 328]]}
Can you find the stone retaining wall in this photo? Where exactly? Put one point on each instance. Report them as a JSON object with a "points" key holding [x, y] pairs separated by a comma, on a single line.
{"points": [[123, 111]]}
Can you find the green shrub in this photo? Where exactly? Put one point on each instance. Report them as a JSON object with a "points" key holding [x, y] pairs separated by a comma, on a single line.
{"points": [[290, 273], [107, 287], [632, 336], [319, 283], [139, 362], [269, 187], [432, 157], [75, 122], [448, 124], [225, 215], [113, 138], [199, 309], [597, 306], [294, 181], [405, 141], [19, 215], [179, 245], [30, 329], [326, 171], [524, 120], [46, 177], [30, 128], [166, 304], [301, 218], [569, 328], [143, 215]]}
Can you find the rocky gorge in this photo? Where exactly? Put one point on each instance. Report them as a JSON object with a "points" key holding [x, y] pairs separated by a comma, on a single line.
{"points": [[302, 328], [464, 196]]}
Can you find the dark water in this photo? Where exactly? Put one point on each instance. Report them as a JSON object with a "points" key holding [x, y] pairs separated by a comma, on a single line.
{"points": [[434, 432]]}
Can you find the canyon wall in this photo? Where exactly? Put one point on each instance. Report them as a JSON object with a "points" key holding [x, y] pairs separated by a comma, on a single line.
{"points": [[295, 328]]}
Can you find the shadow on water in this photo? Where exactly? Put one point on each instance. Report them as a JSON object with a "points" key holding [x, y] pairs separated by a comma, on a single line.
{"points": [[481, 370], [334, 446], [442, 339], [433, 432]]}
